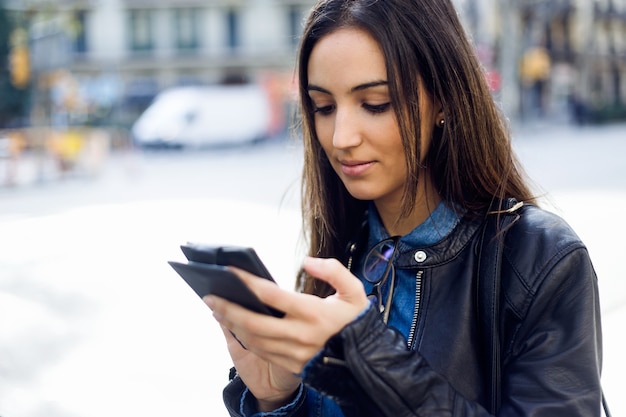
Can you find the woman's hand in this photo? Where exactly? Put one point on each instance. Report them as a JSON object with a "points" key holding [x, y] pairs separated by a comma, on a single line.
{"points": [[278, 348], [271, 385]]}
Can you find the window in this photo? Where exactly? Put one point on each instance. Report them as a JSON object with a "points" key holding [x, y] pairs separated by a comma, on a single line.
{"points": [[186, 24], [232, 28], [141, 32], [80, 40], [295, 16]]}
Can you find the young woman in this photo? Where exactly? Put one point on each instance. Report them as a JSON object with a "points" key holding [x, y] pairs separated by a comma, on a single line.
{"points": [[407, 158]]}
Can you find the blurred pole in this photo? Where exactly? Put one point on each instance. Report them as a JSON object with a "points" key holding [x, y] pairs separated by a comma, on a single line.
{"points": [[509, 34], [586, 48], [471, 11], [612, 22]]}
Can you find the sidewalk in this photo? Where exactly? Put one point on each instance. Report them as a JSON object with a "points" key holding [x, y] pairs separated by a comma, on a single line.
{"points": [[554, 128]]}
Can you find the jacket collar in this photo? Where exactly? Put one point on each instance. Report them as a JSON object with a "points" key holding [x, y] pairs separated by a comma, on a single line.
{"points": [[443, 251], [420, 257], [450, 247]]}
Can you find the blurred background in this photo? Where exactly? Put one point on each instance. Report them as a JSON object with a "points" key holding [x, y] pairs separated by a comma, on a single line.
{"points": [[78, 74], [129, 127]]}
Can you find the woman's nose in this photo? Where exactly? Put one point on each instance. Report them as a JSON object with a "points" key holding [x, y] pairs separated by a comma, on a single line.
{"points": [[346, 132]]}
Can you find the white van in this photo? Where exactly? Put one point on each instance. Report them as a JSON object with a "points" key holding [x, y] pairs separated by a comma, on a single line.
{"points": [[201, 116]]}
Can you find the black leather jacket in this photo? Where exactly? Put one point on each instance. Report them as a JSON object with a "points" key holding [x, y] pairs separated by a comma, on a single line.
{"points": [[550, 335]]}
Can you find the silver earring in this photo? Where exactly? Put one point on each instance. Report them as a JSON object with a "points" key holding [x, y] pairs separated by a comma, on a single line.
{"points": [[441, 123]]}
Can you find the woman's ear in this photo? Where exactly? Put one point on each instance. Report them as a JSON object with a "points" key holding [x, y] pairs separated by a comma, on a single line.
{"points": [[440, 117], [440, 120]]}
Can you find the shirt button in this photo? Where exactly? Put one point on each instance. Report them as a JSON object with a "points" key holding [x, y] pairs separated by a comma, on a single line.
{"points": [[420, 256]]}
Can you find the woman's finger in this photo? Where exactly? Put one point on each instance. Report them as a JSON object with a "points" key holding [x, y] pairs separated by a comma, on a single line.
{"points": [[349, 288], [252, 330], [285, 300]]}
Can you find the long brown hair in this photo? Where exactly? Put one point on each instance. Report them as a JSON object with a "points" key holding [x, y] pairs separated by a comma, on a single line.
{"points": [[470, 160]]}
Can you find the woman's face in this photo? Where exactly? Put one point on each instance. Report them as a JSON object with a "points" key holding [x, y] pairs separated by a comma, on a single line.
{"points": [[354, 120]]}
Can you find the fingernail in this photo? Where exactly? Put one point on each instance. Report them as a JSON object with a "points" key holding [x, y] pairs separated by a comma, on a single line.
{"points": [[208, 300]]}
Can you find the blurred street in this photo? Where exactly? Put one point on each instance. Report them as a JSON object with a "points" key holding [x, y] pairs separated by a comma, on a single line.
{"points": [[94, 323]]}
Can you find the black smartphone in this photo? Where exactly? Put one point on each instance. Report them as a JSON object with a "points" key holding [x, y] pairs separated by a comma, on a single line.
{"points": [[241, 257], [206, 273]]}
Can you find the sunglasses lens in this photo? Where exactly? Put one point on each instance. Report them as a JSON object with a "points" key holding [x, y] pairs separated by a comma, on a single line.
{"points": [[378, 260]]}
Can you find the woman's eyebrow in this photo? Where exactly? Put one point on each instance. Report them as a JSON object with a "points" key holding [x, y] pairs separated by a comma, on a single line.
{"points": [[365, 86], [360, 87], [313, 87]]}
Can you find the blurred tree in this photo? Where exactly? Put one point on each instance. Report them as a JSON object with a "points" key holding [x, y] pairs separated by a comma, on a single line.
{"points": [[14, 72]]}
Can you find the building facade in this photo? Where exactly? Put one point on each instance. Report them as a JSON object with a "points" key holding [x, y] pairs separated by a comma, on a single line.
{"points": [[128, 50], [554, 58], [171, 42], [586, 44]]}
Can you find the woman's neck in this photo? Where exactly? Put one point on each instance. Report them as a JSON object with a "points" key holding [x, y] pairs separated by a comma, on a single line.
{"points": [[426, 200]]}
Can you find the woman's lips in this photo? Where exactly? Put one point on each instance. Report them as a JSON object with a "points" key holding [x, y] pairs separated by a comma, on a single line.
{"points": [[355, 168]]}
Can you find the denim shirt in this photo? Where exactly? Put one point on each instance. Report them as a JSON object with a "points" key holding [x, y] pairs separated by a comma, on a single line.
{"points": [[437, 226]]}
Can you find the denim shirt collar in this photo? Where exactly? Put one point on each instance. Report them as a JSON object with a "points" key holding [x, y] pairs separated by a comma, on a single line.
{"points": [[435, 228]]}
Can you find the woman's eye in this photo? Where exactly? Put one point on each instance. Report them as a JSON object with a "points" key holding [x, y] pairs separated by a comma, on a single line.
{"points": [[324, 110], [377, 108]]}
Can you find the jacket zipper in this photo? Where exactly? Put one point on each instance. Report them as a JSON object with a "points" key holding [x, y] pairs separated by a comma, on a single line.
{"points": [[416, 310]]}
